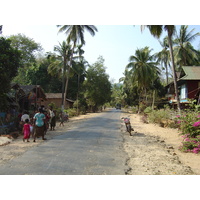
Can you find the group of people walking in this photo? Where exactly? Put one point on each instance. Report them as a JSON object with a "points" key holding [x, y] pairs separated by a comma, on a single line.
{"points": [[38, 124]]}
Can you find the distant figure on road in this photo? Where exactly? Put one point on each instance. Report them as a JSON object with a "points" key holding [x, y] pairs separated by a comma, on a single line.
{"points": [[62, 118], [39, 123], [52, 119]]}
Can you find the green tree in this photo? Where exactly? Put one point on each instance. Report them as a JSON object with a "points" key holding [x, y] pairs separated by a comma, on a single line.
{"points": [[164, 56], [144, 69], [80, 70], [9, 63], [75, 35], [118, 96], [184, 52], [64, 53], [29, 50], [97, 85], [38, 74], [156, 31], [130, 90], [1, 27]]}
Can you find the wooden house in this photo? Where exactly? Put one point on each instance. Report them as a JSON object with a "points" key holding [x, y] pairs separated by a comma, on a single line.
{"points": [[188, 81], [56, 98], [34, 97]]}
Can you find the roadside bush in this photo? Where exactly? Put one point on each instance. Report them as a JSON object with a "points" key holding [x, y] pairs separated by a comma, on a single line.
{"points": [[189, 124], [158, 116], [72, 112], [134, 109], [147, 110]]}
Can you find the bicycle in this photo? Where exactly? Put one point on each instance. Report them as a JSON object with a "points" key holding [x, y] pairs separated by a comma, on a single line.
{"points": [[127, 122]]}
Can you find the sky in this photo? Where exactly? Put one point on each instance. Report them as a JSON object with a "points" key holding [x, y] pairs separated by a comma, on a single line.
{"points": [[115, 43]]}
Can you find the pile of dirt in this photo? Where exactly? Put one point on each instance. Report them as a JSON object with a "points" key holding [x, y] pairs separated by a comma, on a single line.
{"points": [[5, 139]]}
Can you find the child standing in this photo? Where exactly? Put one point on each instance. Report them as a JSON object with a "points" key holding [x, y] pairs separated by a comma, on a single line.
{"points": [[26, 130]]}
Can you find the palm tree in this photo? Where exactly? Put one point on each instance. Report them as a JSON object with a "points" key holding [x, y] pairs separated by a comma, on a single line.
{"points": [[164, 56], [61, 63], [143, 68], [184, 52], [156, 31], [80, 69], [75, 34]]}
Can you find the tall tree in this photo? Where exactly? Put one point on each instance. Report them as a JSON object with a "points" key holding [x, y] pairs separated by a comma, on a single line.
{"points": [[9, 63], [97, 85], [64, 51], [156, 31], [29, 49], [143, 68], [38, 74], [75, 35], [164, 56], [184, 52], [80, 70], [1, 27]]}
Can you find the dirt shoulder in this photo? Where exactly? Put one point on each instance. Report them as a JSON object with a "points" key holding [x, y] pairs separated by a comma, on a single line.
{"points": [[154, 150]]}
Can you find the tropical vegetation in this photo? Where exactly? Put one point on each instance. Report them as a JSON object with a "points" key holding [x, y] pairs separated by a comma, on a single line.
{"points": [[67, 71]]}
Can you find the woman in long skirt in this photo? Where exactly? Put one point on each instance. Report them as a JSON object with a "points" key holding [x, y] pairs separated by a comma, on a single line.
{"points": [[39, 123]]}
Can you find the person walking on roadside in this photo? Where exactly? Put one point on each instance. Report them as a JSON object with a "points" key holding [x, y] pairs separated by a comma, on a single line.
{"points": [[26, 130], [62, 119], [52, 119], [39, 123]]}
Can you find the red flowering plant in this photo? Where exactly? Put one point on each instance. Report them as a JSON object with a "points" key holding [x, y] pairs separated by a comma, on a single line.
{"points": [[190, 129]]}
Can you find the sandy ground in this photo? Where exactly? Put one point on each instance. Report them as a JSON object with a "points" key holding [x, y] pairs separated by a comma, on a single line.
{"points": [[152, 150]]}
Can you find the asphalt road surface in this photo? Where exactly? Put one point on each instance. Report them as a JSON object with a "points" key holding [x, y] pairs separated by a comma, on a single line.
{"points": [[92, 147]]}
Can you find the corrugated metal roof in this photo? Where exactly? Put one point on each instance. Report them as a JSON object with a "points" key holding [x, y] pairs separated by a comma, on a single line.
{"points": [[191, 73]]}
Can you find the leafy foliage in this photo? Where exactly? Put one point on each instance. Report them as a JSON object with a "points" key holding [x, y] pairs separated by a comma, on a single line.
{"points": [[9, 63], [28, 49], [97, 85]]}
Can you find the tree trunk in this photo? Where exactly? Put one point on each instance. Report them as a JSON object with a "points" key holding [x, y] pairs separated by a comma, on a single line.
{"points": [[174, 73], [166, 68], [78, 93], [63, 83], [154, 92], [67, 79]]}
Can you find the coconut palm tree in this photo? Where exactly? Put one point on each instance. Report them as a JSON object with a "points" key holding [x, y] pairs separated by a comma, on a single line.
{"points": [[80, 69], [75, 35], [184, 52], [164, 56], [143, 68], [156, 31], [61, 64], [1, 27]]}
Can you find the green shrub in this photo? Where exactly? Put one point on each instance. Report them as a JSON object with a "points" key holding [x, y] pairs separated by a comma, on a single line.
{"points": [[157, 116], [147, 110], [72, 112]]}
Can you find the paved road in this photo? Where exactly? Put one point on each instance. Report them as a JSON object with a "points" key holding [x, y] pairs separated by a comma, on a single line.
{"points": [[93, 146]]}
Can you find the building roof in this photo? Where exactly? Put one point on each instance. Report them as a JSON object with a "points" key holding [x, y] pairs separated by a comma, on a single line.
{"points": [[53, 95], [190, 73], [56, 96], [33, 88]]}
